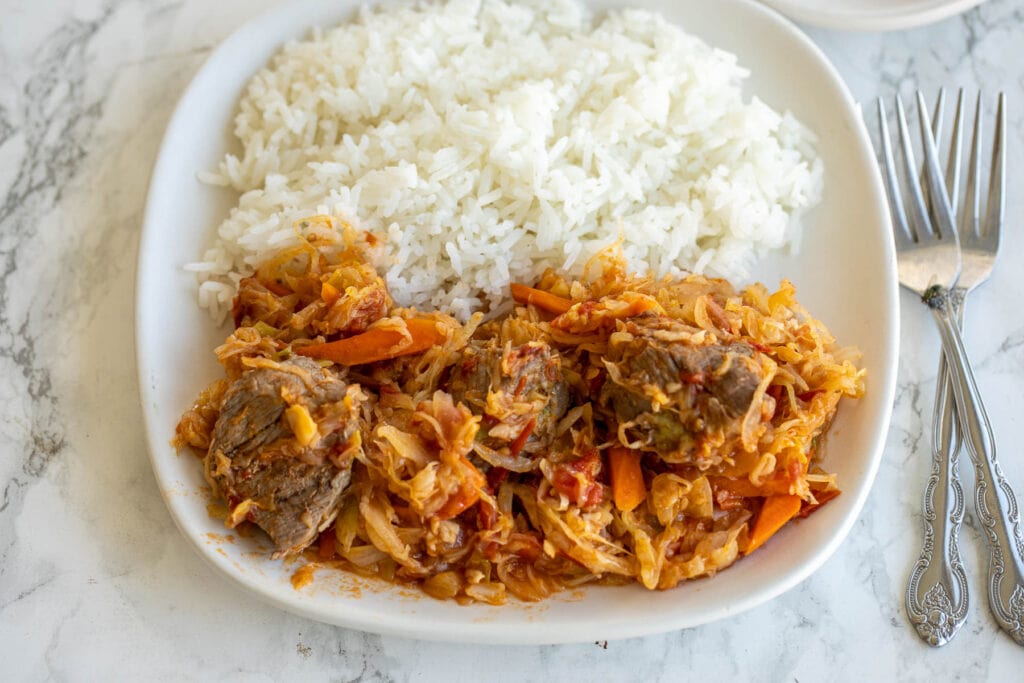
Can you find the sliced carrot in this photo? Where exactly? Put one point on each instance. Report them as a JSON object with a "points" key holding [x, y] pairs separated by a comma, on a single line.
{"points": [[743, 488], [276, 287], [377, 344], [823, 497], [546, 301], [776, 511], [628, 489], [778, 483]]}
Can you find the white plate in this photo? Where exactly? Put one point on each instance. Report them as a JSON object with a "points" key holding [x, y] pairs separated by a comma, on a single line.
{"points": [[871, 15], [845, 273]]}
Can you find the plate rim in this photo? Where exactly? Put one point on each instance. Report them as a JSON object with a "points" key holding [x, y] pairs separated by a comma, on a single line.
{"points": [[494, 632], [888, 20]]}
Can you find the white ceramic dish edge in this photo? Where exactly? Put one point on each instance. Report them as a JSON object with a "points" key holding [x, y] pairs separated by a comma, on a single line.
{"points": [[894, 19]]}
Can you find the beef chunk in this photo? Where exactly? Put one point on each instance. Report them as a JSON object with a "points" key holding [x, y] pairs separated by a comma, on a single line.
{"points": [[674, 394], [515, 388], [295, 487]]}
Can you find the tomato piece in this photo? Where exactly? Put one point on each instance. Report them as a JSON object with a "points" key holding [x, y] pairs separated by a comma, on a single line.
{"points": [[466, 495], [577, 480], [327, 549]]}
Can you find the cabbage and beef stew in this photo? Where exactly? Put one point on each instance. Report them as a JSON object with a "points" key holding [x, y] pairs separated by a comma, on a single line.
{"points": [[610, 429]]}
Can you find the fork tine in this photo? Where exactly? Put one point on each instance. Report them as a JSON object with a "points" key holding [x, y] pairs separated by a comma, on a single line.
{"points": [[919, 224], [955, 144], [943, 227], [901, 231], [937, 114], [997, 178], [970, 214]]}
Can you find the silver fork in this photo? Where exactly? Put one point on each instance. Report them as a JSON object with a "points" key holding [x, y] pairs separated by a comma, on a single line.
{"points": [[937, 596], [979, 243], [929, 263], [937, 591]]}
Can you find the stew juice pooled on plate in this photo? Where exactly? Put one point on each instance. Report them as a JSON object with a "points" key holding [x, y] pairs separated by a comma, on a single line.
{"points": [[611, 429]]}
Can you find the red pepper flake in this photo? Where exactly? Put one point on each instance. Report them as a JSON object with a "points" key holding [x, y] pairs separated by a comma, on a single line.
{"points": [[523, 437]]}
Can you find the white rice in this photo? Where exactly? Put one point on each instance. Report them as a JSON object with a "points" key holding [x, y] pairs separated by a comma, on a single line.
{"points": [[485, 141]]}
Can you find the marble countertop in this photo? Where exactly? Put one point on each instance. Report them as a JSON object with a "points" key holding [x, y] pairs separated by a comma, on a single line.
{"points": [[97, 583]]}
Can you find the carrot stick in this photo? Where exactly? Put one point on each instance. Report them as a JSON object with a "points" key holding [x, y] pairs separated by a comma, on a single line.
{"points": [[823, 497], [776, 511], [628, 489], [743, 488], [377, 344], [546, 301]]}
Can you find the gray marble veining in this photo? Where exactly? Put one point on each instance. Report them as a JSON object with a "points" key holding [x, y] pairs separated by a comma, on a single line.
{"points": [[95, 581]]}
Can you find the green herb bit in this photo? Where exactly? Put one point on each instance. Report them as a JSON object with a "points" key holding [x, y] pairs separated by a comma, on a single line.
{"points": [[265, 330]]}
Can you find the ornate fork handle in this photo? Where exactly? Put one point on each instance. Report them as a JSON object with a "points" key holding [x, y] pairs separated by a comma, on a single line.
{"points": [[937, 597], [1000, 520]]}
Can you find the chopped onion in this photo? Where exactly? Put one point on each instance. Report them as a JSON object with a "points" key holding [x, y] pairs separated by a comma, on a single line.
{"points": [[502, 459], [443, 586], [491, 593]]}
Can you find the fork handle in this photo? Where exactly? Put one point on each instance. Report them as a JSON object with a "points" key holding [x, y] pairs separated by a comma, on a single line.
{"points": [[998, 514], [937, 596]]}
